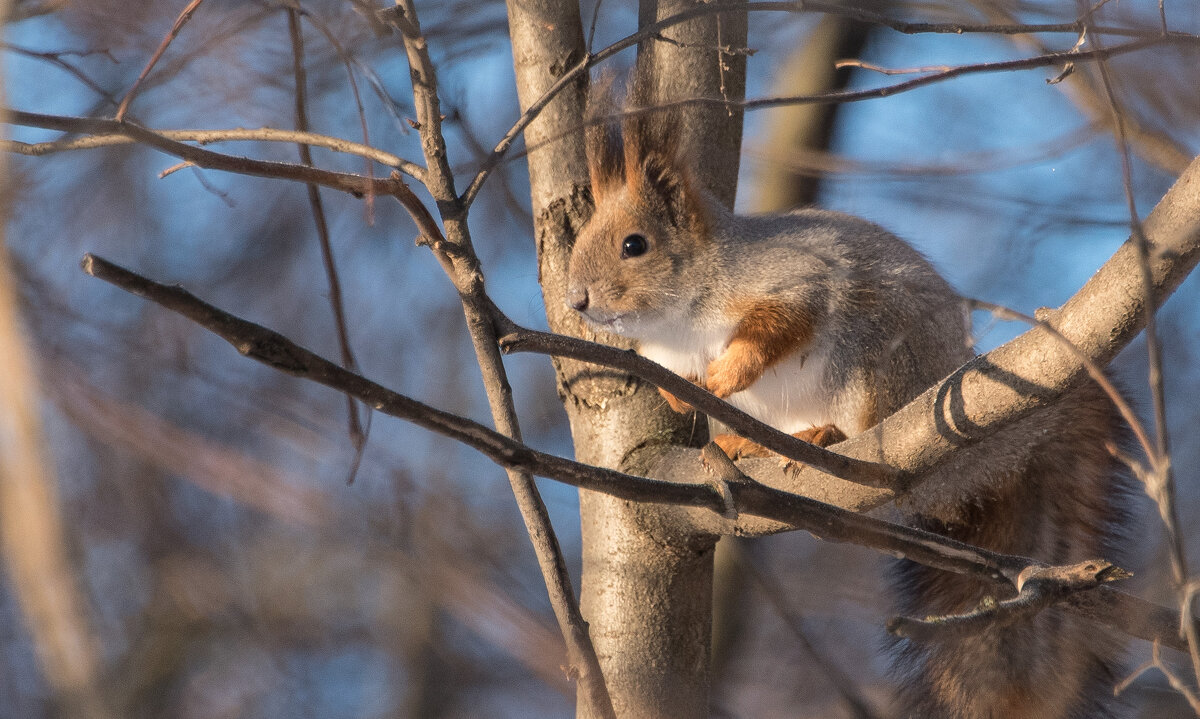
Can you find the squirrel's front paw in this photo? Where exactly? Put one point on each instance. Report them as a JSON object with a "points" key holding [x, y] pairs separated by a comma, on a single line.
{"points": [[733, 371]]}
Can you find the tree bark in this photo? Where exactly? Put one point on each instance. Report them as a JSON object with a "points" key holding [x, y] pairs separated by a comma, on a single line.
{"points": [[647, 579]]}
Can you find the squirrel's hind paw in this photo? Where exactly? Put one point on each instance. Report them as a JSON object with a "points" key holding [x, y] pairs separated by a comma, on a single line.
{"points": [[737, 447], [822, 436]]}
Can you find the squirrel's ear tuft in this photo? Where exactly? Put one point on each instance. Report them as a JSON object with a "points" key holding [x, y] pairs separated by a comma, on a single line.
{"points": [[665, 181], [602, 140], [655, 170]]}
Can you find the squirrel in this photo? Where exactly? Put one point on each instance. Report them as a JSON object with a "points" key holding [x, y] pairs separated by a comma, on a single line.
{"points": [[822, 324]]}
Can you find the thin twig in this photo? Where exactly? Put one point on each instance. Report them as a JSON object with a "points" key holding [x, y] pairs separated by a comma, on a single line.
{"points": [[358, 434], [1162, 488], [1052, 59], [653, 30], [362, 115], [108, 133], [1112, 608], [842, 683], [837, 96], [346, 182], [180, 21], [514, 338], [55, 58], [1156, 662], [463, 270], [863, 64], [1155, 146]]}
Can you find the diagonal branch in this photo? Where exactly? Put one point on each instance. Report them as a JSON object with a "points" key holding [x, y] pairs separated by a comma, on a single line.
{"points": [[458, 259], [204, 137], [738, 495], [519, 339], [180, 21]]}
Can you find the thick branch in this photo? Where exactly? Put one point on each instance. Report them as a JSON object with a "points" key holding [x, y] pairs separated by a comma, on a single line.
{"points": [[1028, 373]]}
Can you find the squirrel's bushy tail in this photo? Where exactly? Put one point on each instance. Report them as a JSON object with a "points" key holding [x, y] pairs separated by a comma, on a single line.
{"points": [[1066, 505]]}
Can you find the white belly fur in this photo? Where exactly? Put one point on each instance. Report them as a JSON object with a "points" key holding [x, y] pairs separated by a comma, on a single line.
{"points": [[790, 396]]}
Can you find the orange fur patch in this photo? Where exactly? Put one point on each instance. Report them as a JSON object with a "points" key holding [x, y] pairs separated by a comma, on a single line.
{"points": [[767, 332], [822, 436], [677, 404], [736, 447]]}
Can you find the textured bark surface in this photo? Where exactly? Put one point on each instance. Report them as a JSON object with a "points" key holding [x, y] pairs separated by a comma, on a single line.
{"points": [[686, 65], [647, 578]]}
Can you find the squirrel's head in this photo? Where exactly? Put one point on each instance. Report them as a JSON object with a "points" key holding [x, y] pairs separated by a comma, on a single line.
{"points": [[637, 259]]}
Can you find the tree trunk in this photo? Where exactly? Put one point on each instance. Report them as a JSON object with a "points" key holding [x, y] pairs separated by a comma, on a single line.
{"points": [[647, 582]]}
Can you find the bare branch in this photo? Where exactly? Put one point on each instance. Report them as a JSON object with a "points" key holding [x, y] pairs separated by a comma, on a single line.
{"points": [[358, 436], [1053, 59], [106, 133], [1111, 608], [458, 259], [653, 30], [1037, 589], [1162, 488], [348, 62], [1154, 146], [1174, 681], [56, 59], [356, 185], [518, 339], [184, 16], [845, 686]]}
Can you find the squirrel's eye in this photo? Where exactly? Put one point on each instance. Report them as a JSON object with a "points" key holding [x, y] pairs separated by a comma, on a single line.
{"points": [[633, 245]]}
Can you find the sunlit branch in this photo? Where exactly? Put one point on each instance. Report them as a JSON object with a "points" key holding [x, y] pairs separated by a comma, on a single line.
{"points": [[107, 133], [463, 269]]}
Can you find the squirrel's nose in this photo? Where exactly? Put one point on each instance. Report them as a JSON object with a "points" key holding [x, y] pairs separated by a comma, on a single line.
{"points": [[577, 298]]}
